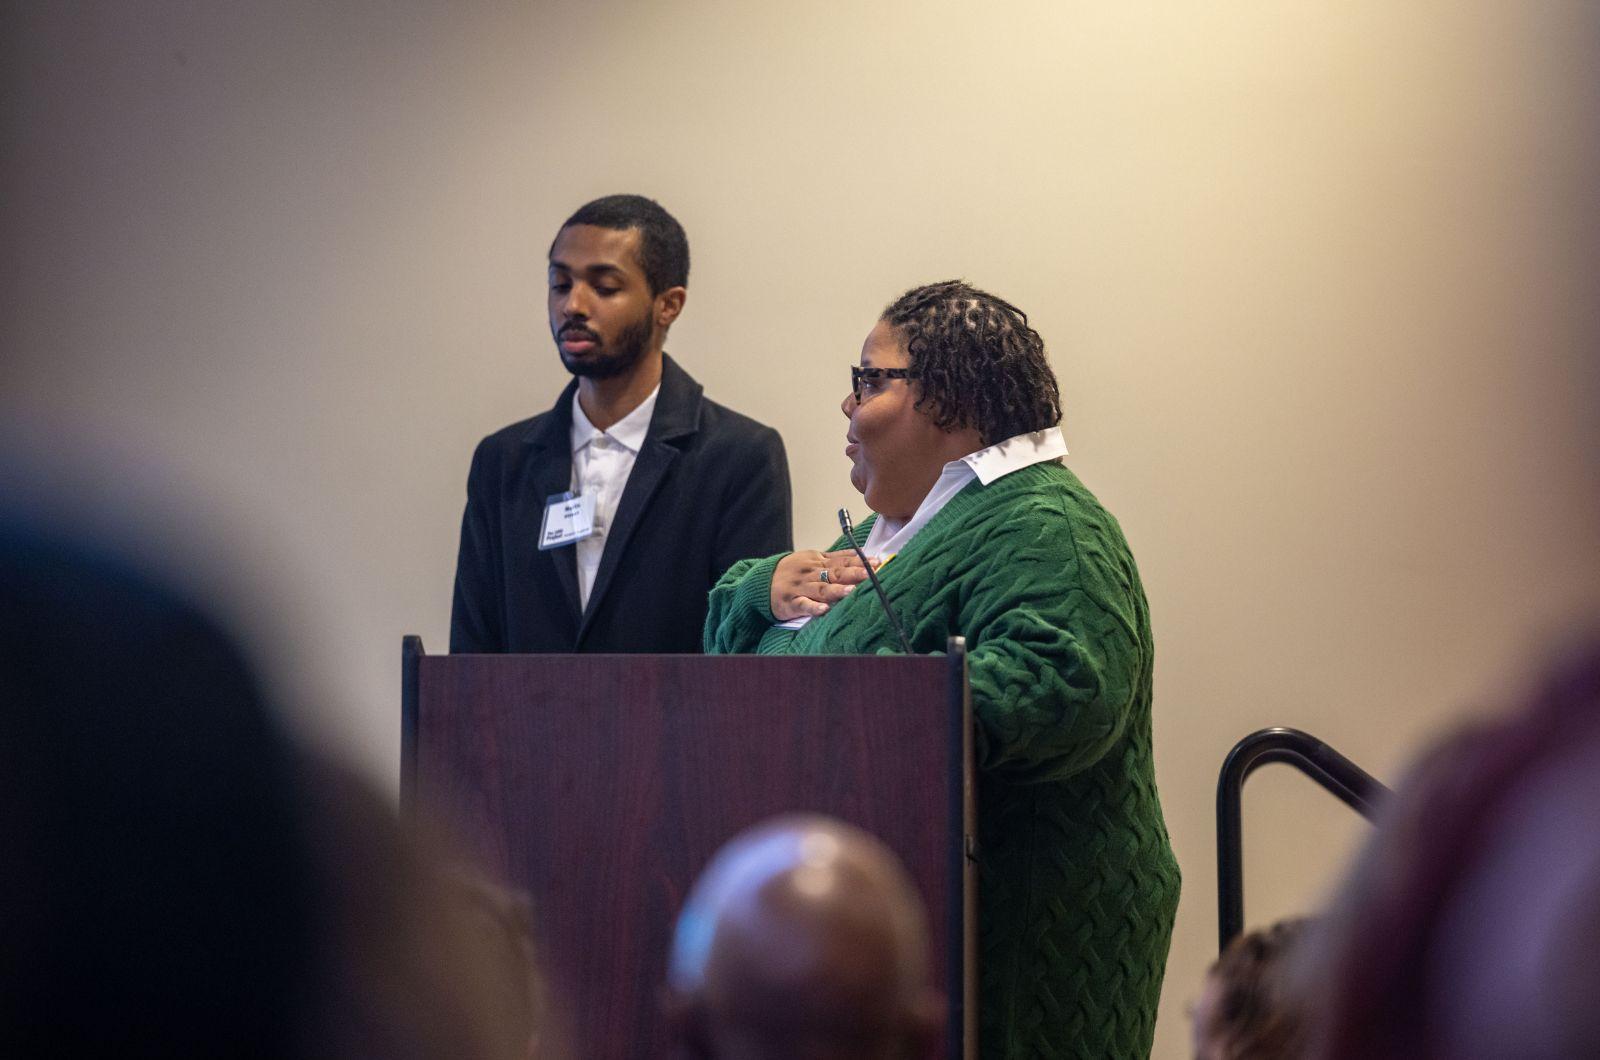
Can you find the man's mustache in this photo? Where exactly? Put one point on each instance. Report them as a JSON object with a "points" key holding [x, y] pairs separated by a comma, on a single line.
{"points": [[577, 330]]}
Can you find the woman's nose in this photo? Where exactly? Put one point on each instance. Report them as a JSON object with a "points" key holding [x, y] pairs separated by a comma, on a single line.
{"points": [[848, 405]]}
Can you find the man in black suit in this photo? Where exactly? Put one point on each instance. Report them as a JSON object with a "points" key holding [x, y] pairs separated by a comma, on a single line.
{"points": [[600, 525]]}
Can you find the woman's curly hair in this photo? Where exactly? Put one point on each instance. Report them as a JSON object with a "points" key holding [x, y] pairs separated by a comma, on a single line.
{"points": [[978, 362]]}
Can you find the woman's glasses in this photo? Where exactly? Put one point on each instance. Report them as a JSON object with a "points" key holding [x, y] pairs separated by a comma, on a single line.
{"points": [[874, 376]]}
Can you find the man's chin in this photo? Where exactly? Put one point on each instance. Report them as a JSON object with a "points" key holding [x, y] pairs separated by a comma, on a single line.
{"points": [[593, 365]]}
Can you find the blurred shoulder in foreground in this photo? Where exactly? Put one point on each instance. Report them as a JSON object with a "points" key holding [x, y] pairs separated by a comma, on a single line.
{"points": [[1470, 927], [180, 878]]}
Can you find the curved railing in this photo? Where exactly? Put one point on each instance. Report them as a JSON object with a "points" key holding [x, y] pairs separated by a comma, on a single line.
{"points": [[1349, 782]]}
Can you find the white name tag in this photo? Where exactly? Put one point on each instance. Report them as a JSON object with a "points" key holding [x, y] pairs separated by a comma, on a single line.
{"points": [[566, 519]]}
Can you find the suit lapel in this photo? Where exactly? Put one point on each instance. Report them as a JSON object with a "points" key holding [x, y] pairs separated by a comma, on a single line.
{"points": [[551, 473], [677, 417]]}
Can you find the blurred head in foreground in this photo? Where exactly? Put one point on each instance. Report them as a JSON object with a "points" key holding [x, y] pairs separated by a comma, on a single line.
{"points": [[179, 878], [1247, 1009], [804, 937], [1470, 927]]}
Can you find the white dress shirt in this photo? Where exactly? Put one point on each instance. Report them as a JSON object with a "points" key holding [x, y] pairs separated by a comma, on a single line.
{"points": [[601, 464], [889, 536]]}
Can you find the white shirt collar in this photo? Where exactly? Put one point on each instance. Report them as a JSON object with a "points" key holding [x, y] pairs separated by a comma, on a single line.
{"points": [[1016, 453], [629, 431], [888, 537], [986, 465]]}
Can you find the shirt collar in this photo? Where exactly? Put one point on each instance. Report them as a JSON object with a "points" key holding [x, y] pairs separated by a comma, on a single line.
{"points": [[986, 465], [1014, 454], [630, 431]]}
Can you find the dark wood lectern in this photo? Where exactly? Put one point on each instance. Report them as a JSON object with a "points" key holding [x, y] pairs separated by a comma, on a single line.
{"points": [[602, 784]]}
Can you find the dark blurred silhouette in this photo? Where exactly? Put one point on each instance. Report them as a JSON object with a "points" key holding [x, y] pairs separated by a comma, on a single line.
{"points": [[419, 959], [804, 937], [1247, 1008], [1470, 927], [178, 877], [158, 881]]}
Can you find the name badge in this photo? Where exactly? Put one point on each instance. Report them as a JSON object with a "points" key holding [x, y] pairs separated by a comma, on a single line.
{"points": [[566, 519]]}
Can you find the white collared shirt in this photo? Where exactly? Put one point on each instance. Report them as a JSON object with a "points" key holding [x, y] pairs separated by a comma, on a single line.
{"points": [[889, 536], [601, 464]]}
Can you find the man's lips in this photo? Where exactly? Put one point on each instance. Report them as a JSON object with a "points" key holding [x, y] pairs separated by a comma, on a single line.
{"points": [[577, 342], [851, 448]]}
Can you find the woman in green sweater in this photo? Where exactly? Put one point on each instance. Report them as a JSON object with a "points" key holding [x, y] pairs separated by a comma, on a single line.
{"points": [[981, 531]]}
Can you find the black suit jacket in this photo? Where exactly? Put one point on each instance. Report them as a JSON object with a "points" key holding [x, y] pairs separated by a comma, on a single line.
{"points": [[710, 487]]}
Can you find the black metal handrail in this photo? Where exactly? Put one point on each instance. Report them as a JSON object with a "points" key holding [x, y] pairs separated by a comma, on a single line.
{"points": [[1353, 785]]}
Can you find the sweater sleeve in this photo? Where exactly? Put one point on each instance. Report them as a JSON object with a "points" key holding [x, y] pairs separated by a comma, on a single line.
{"points": [[740, 607], [1055, 660], [739, 620]]}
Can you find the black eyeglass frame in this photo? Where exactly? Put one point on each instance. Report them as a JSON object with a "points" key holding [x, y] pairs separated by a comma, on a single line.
{"points": [[873, 375]]}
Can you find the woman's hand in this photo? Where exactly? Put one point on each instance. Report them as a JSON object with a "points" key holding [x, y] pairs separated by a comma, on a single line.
{"points": [[799, 587]]}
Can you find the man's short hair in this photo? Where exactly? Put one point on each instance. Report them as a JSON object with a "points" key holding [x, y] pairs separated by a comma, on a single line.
{"points": [[663, 246], [978, 362]]}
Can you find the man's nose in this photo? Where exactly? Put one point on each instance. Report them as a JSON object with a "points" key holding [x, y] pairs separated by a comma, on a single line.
{"points": [[575, 304], [848, 405]]}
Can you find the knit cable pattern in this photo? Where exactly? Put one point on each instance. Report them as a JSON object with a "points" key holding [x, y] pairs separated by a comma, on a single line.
{"points": [[1078, 885]]}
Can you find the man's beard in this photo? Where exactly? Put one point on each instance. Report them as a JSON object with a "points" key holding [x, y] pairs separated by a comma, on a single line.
{"points": [[607, 360]]}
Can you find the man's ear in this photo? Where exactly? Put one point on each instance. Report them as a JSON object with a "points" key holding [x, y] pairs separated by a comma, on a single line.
{"points": [[668, 305]]}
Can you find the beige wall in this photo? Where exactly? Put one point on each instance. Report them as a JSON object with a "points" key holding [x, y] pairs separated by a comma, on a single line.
{"points": [[1317, 279]]}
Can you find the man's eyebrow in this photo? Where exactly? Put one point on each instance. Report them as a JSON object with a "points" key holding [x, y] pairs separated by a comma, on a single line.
{"points": [[600, 268]]}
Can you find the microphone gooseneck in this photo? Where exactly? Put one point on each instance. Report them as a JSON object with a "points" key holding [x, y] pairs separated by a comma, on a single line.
{"points": [[877, 586]]}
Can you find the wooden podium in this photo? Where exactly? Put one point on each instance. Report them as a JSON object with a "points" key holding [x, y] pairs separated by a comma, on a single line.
{"points": [[602, 784]]}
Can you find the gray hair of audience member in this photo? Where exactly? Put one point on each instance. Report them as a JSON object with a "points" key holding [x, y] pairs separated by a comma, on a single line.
{"points": [[1470, 926], [803, 937], [1248, 1008]]}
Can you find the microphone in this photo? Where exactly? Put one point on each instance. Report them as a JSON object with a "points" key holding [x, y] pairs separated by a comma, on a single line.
{"points": [[883, 597]]}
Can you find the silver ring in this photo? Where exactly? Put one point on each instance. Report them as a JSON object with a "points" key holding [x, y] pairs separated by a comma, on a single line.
{"points": [[823, 577]]}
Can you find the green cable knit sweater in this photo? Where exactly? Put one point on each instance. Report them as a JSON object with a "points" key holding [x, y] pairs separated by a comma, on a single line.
{"points": [[1078, 885]]}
